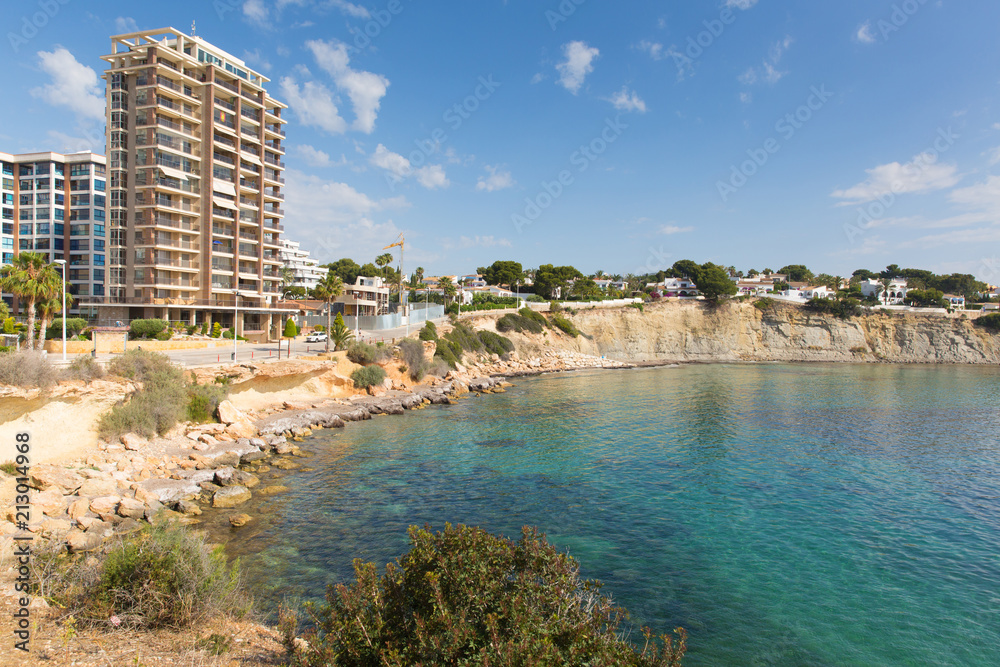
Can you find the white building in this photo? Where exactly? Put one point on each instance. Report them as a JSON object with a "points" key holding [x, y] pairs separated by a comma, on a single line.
{"points": [[675, 287], [896, 294], [819, 292], [306, 272]]}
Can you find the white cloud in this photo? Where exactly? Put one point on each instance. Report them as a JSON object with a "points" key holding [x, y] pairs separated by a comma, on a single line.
{"points": [[654, 49], [740, 4], [746, 98], [350, 9], [497, 180], [399, 168], [256, 11], [313, 157], [578, 64], [994, 156], [365, 89], [66, 143], [624, 100], [748, 78], [674, 229], [314, 104], [334, 220], [74, 85], [538, 78], [864, 33], [257, 59], [124, 24], [985, 195], [922, 174], [432, 177], [768, 71]]}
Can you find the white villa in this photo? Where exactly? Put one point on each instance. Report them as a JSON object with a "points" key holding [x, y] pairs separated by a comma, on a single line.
{"points": [[897, 290], [675, 287]]}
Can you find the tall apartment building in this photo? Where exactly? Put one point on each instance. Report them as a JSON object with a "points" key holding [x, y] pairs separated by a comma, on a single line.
{"points": [[56, 205], [195, 147], [305, 271]]}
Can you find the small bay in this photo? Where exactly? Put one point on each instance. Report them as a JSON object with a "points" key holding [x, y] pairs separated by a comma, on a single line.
{"points": [[782, 514]]}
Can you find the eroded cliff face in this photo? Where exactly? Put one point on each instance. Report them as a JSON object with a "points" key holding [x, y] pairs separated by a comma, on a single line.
{"points": [[695, 331]]}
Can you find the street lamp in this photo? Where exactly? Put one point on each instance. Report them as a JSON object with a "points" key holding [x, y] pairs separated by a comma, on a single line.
{"points": [[236, 319], [62, 263]]}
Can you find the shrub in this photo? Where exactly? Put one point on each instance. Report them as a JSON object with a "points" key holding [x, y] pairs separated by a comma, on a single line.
{"points": [[637, 306], [204, 328], [291, 331], [439, 367], [842, 308], [8, 325], [495, 343], [368, 376], [533, 315], [462, 596], [203, 401], [514, 322], [319, 328], [26, 369], [991, 321], [228, 335], [412, 354], [74, 325], [555, 307], [139, 364], [84, 368], [764, 303], [146, 328], [365, 354], [165, 335], [452, 309], [445, 353], [429, 331], [216, 330], [162, 576], [157, 406], [565, 325], [190, 329], [465, 337]]}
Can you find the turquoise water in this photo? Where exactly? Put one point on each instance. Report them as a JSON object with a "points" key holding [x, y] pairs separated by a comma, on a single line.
{"points": [[784, 515]]}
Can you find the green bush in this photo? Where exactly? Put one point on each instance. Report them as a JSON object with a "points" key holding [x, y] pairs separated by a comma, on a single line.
{"points": [[319, 328], [991, 321], [228, 335], [291, 331], [162, 576], [412, 354], [84, 368], [555, 307], [204, 328], [368, 376], [764, 303], [157, 406], [465, 337], [190, 329], [74, 325], [464, 597], [146, 328], [429, 331], [533, 315], [452, 309], [8, 325], [203, 401], [165, 335], [139, 364], [216, 330], [512, 322], [365, 354], [637, 306], [842, 308], [445, 353], [27, 369], [565, 325], [495, 343]]}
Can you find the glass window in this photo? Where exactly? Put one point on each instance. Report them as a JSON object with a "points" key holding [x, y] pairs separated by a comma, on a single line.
{"points": [[42, 228], [99, 275], [60, 199], [79, 200], [58, 243], [100, 185], [8, 184], [42, 168], [27, 185], [98, 200], [25, 214], [8, 244], [59, 169], [60, 214], [42, 244], [26, 170], [42, 214], [99, 230], [79, 244], [98, 260], [8, 198], [24, 229], [8, 169], [24, 244], [42, 198], [79, 170], [8, 228], [25, 200], [42, 184], [8, 214], [59, 184], [57, 228], [99, 214], [99, 245], [79, 214]]}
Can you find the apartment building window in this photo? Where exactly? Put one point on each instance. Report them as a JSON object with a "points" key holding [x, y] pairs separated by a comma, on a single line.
{"points": [[8, 227], [25, 199], [42, 244], [24, 244], [25, 214], [8, 214], [80, 214], [100, 185], [99, 214], [98, 289], [77, 186], [98, 260], [99, 230], [8, 244], [8, 184], [42, 168], [42, 214], [99, 200], [79, 230], [8, 258], [24, 229], [117, 199], [42, 183], [8, 198], [57, 228], [59, 169], [100, 169], [42, 198], [27, 185], [99, 245], [79, 170], [119, 120], [58, 243], [79, 244], [60, 213], [99, 275], [42, 228], [26, 170], [8, 169], [59, 184], [79, 200]]}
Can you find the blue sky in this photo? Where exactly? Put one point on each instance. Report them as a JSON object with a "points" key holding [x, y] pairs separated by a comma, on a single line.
{"points": [[614, 136]]}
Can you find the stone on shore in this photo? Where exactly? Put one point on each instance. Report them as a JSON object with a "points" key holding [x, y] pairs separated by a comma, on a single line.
{"points": [[239, 520], [133, 442], [79, 541], [230, 496]]}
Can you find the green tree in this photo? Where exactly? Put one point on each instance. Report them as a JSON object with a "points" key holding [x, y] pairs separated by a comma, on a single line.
{"points": [[369, 270], [586, 289], [216, 330], [347, 269], [501, 273], [48, 307], [339, 333], [930, 298], [4, 311], [796, 273], [549, 279], [291, 331], [448, 289], [327, 291], [464, 597], [383, 261], [686, 268], [31, 278], [714, 283]]}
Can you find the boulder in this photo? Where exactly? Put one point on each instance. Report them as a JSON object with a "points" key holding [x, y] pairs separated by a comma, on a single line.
{"points": [[229, 413], [231, 496], [239, 520], [272, 490], [50, 503], [45, 477], [232, 477], [130, 508], [208, 440], [243, 428], [133, 442], [188, 507], [249, 457], [79, 508], [79, 542], [230, 459], [170, 491], [101, 486], [53, 527]]}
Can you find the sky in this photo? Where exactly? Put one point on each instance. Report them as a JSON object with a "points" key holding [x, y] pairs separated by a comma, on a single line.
{"points": [[614, 136]]}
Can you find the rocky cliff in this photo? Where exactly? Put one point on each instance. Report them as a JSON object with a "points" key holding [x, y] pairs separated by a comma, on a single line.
{"points": [[695, 331]]}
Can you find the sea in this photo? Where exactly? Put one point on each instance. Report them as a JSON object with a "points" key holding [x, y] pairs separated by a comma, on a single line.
{"points": [[782, 514]]}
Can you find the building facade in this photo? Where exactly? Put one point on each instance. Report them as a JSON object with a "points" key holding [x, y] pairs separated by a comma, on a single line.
{"points": [[195, 146], [57, 205], [304, 271]]}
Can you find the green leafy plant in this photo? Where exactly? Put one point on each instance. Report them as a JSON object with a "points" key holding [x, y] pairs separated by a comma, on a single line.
{"points": [[340, 335], [465, 597], [512, 322], [146, 328], [991, 321], [216, 330], [412, 354], [203, 401], [428, 331], [368, 376], [190, 329], [291, 331], [495, 343], [565, 325], [365, 354], [74, 325], [157, 406], [204, 328], [84, 368]]}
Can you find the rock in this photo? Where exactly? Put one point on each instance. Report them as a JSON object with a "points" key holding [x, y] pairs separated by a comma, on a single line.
{"points": [[128, 526], [231, 459], [229, 413], [239, 520], [78, 508], [259, 443], [272, 490], [232, 477], [208, 440], [145, 496], [283, 448], [50, 503], [95, 488], [250, 457], [54, 527], [45, 477], [201, 446], [188, 507], [243, 428], [131, 508], [376, 391], [169, 491], [85, 522], [230, 496], [282, 464], [133, 442], [79, 542]]}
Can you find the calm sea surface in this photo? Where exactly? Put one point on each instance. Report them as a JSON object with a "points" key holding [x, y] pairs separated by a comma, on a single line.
{"points": [[784, 515]]}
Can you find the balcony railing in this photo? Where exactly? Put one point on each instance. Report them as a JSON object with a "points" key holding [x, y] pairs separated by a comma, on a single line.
{"points": [[225, 105], [222, 231], [222, 158], [226, 85], [270, 159], [225, 141], [252, 114]]}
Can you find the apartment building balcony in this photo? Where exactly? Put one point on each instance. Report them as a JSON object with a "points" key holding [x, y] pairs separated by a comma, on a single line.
{"points": [[225, 141], [179, 264], [171, 244], [223, 213], [171, 107], [229, 106], [161, 281], [275, 129], [249, 131], [272, 209], [271, 159], [271, 175], [252, 95], [219, 157], [165, 161], [228, 86], [268, 224], [250, 114], [273, 194], [249, 184], [246, 201], [223, 231], [274, 146], [163, 222]]}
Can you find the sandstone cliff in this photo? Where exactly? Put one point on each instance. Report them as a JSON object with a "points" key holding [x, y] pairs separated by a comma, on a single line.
{"points": [[695, 331]]}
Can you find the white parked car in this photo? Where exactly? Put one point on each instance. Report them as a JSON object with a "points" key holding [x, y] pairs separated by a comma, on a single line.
{"points": [[316, 338]]}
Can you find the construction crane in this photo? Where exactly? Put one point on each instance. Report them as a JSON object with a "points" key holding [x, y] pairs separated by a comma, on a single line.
{"points": [[401, 242]]}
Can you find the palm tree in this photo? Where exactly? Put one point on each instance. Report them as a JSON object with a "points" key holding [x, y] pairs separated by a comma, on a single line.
{"points": [[418, 275], [885, 282], [339, 334], [447, 288], [327, 290], [47, 307], [32, 278], [382, 261]]}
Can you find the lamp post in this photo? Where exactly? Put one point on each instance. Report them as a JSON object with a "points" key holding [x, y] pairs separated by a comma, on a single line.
{"points": [[236, 319], [62, 264]]}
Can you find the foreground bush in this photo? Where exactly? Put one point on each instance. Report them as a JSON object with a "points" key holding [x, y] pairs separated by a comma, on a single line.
{"points": [[495, 343], [565, 325], [991, 321], [369, 376], [162, 576], [146, 328], [203, 401], [26, 369], [429, 331], [412, 354], [521, 323], [157, 406], [533, 315], [365, 354], [74, 326], [84, 368], [842, 308], [464, 597]]}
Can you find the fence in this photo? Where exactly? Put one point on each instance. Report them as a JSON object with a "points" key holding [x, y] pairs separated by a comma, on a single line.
{"points": [[418, 315]]}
